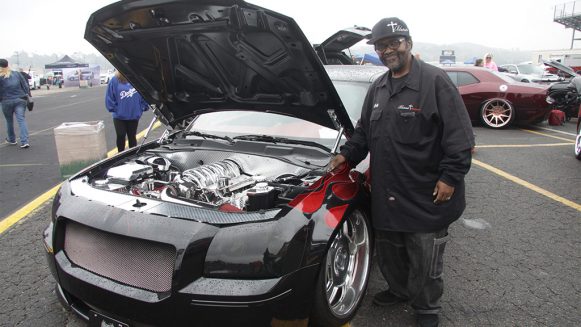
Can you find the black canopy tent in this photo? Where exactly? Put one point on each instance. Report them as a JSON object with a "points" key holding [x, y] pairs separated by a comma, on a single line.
{"points": [[65, 62]]}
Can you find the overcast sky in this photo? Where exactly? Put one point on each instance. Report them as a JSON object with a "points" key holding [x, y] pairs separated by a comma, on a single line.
{"points": [[57, 26]]}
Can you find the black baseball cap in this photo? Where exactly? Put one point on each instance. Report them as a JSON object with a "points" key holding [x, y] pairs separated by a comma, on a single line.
{"points": [[3, 63], [388, 27]]}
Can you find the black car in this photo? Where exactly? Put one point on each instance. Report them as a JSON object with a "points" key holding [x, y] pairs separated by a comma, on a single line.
{"points": [[231, 216]]}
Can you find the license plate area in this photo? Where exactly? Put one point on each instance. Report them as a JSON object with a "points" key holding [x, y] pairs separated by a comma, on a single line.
{"points": [[98, 320]]}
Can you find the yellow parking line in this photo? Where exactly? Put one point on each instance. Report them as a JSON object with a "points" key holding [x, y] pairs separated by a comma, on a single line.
{"points": [[528, 185], [21, 165], [34, 204], [27, 209], [521, 145], [548, 135]]}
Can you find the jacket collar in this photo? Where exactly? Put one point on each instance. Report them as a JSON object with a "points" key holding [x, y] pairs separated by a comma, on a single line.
{"points": [[412, 79]]}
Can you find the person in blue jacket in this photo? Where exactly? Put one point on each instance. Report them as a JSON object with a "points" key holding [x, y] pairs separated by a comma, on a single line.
{"points": [[13, 92], [126, 106]]}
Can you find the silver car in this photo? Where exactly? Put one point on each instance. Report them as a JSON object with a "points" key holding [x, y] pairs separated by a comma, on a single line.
{"points": [[529, 73]]}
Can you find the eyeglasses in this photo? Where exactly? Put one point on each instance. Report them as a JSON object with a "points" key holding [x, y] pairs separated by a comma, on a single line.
{"points": [[488, 57], [391, 44]]}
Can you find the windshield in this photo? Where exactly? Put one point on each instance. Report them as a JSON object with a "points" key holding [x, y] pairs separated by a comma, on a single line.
{"points": [[352, 95], [531, 69], [235, 123]]}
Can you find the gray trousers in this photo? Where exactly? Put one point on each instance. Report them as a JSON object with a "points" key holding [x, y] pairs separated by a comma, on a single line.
{"points": [[412, 264]]}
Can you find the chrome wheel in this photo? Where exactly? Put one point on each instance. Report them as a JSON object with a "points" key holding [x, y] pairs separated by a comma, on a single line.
{"points": [[347, 266], [497, 113]]}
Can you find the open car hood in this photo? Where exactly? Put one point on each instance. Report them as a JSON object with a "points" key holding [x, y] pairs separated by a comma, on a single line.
{"points": [[191, 57], [331, 50], [560, 67]]}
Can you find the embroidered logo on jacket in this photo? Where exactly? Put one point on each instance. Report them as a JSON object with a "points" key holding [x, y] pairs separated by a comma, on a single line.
{"points": [[409, 107], [127, 94]]}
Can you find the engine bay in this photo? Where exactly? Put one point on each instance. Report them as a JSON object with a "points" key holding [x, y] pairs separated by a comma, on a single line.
{"points": [[226, 181]]}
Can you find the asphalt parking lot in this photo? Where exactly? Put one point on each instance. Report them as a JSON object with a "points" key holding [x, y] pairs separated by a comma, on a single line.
{"points": [[513, 259]]}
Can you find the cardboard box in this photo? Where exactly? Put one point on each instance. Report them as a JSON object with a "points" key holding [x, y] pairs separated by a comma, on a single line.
{"points": [[79, 144]]}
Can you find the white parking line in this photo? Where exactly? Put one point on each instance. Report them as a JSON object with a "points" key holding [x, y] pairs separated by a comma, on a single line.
{"points": [[549, 135], [556, 130]]}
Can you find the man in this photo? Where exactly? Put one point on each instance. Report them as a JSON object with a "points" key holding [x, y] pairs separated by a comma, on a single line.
{"points": [[418, 133], [24, 74]]}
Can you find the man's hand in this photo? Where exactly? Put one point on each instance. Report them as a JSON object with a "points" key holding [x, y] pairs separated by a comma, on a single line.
{"points": [[337, 161], [442, 192]]}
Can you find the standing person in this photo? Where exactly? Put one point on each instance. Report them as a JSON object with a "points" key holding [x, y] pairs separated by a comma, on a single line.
{"points": [[479, 63], [25, 74], [13, 92], [126, 106], [418, 133], [488, 63]]}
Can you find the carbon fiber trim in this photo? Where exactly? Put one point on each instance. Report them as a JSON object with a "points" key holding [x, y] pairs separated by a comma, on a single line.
{"points": [[209, 215]]}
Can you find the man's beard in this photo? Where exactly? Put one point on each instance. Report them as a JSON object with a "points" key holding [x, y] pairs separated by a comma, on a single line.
{"points": [[395, 61]]}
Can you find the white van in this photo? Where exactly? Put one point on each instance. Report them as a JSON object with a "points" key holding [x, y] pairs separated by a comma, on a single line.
{"points": [[34, 81]]}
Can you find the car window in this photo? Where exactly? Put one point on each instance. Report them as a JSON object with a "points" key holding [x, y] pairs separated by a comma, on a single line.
{"points": [[462, 78], [465, 78], [352, 95], [234, 123], [531, 69], [454, 77]]}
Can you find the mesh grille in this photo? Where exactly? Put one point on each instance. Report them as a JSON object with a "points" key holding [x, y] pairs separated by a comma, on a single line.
{"points": [[143, 264]]}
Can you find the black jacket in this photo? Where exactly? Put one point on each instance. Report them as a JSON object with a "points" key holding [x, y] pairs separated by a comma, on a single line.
{"points": [[416, 135]]}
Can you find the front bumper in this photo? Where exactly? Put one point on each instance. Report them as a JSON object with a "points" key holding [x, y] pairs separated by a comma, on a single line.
{"points": [[204, 302]]}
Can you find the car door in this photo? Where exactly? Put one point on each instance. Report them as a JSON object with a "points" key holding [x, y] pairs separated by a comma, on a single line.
{"points": [[467, 85]]}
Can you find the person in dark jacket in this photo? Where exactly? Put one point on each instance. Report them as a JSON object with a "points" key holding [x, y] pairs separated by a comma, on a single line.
{"points": [[126, 106], [13, 92], [419, 136]]}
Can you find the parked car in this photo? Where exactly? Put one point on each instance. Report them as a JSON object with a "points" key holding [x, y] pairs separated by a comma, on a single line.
{"points": [[230, 218], [529, 73], [331, 51], [498, 101], [106, 77], [565, 95], [34, 81]]}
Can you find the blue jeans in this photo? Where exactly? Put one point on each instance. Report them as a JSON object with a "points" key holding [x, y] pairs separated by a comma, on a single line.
{"points": [[412, 264], [11, 108]]}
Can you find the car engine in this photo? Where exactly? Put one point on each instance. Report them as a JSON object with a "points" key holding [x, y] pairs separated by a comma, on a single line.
{"points": [[231, 184]]}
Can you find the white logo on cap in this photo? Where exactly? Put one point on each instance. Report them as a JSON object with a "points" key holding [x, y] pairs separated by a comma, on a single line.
{"points": [[395, 27]]}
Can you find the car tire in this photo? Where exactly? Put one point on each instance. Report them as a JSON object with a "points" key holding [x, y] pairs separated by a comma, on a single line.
{"points": [[578, 143], [525, 81], [344, 273], [497, 113]]}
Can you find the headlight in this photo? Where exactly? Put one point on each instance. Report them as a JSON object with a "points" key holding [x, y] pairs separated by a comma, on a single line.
{"points": [[550, 100]]}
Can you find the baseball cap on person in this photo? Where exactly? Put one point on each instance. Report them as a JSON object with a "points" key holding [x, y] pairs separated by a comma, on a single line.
{"points": [[3, 63], [388, 27]]}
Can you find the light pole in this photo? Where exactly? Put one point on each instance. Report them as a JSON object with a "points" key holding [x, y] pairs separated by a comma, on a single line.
{"points": [[17, 59]]}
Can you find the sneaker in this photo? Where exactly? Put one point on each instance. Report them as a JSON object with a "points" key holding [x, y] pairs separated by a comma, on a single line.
{"points": [[25, 146], [428, 320], [386, 298], [11, 143]]}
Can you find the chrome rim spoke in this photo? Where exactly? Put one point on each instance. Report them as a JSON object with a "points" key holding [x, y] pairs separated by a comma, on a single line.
{"points": [[347, 265]]}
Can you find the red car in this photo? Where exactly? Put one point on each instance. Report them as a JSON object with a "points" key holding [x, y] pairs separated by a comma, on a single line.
{"points": [[497, 100]]}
